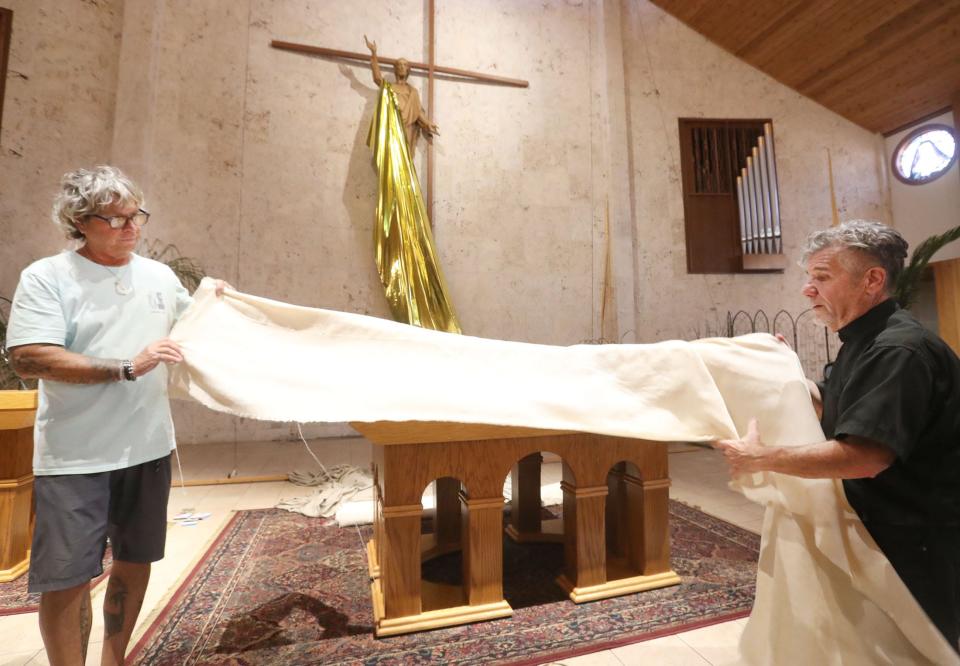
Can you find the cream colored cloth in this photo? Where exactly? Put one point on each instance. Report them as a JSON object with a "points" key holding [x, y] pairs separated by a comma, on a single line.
{"points": [[334, 488], [825, 593]]}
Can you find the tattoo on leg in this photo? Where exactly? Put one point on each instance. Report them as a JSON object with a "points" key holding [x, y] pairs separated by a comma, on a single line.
{"points": [[113, 607], [86, 621]]}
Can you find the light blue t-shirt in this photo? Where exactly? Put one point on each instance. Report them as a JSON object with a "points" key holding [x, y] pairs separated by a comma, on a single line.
{"points": [[70, 301]]}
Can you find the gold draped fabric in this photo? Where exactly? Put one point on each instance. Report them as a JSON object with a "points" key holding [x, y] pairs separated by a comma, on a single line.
{"points": [[406, 259]]}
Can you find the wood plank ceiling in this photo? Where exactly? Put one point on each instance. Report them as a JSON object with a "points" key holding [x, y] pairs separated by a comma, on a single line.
{"points": [[883, 64]]}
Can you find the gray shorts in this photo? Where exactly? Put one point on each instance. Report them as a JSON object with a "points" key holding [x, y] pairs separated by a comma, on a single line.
{"points": [[76, 513]]}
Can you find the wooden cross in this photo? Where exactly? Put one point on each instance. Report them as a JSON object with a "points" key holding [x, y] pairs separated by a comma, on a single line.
{"points": [[430, 67]]}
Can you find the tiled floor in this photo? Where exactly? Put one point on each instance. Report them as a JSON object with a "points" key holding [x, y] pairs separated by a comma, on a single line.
{"points": [[699, 478]]}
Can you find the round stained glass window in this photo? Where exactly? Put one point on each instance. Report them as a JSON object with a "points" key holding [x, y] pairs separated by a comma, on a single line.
{"points": [[925, 154]]}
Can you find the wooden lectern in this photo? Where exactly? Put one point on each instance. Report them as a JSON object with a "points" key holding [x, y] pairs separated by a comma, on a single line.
{"points": [[17, 412], [614, 526], [946, 279]]}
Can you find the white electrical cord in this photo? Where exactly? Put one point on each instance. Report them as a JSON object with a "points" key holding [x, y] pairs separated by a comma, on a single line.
{"points": [[183, 486], [188, 517], [310, 451]]}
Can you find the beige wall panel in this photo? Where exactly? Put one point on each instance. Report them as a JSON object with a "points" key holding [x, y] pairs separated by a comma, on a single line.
{"points": [[57, 115]]}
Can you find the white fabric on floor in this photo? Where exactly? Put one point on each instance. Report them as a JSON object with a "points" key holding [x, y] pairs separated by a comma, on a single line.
{"points": [[360, 512], [335, 486], [825, 593]]}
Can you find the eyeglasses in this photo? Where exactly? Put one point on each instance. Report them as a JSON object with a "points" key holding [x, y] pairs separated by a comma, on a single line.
{"points": [[140, 218]]}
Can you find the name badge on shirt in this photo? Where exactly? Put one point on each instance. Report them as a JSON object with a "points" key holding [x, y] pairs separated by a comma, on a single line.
{"points": [[156, 302]]}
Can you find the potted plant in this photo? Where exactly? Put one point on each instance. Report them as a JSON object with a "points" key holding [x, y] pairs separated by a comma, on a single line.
{"points": [[906, 288]]}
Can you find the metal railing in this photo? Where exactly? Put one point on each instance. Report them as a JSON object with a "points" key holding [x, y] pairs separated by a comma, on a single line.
{"points": [[814, 343]]}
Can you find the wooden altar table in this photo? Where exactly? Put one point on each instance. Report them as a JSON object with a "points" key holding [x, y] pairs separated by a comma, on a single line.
{"points": [[614, 526]]}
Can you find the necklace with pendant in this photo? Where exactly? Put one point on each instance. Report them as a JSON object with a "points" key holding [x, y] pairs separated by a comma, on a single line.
{"points": [[118, 284]]}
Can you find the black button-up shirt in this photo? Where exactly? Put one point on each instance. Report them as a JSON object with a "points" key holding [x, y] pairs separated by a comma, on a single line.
{"points": [[898, 384]]}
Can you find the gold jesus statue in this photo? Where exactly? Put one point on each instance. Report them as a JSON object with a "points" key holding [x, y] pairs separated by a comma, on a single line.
{"points": [[407, 261], [408, 99]]}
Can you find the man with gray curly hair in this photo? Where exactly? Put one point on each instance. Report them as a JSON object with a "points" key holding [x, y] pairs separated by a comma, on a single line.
{"points": [[890, 406], [92, 326], [864, 243]]}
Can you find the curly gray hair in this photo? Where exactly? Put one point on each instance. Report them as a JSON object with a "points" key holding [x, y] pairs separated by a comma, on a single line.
{"points": [[86, 191], [871, 240]]}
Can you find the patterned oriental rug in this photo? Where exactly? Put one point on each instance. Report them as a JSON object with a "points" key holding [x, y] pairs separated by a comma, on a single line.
{"points": [[281, 588], [15, 599]]}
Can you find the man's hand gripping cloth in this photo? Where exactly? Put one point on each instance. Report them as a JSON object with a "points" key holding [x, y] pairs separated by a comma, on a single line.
{"points": [[825, 593]]}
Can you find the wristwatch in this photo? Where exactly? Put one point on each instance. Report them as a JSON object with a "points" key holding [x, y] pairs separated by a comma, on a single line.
{"points": [[127, 368]]}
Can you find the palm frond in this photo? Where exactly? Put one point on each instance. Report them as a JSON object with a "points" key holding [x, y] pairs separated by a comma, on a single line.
{"points": [[8, 378], [186, 269], [906, 288], [189, 272]]}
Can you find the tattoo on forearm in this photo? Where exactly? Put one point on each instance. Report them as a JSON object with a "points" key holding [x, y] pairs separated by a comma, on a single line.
{"points": [[113, 607], [56, 364], [86, 621], [27, 367], [107, 370]]}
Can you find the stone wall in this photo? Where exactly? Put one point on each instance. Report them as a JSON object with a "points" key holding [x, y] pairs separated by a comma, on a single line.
{"points": [[58, 113]]}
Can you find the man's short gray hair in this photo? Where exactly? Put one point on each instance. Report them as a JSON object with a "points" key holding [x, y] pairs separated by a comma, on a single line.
{"points": [[877, 241], [87, 191]]}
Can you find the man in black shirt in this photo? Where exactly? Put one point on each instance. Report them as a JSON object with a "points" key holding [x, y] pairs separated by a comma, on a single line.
{"points": [[891, 410]]}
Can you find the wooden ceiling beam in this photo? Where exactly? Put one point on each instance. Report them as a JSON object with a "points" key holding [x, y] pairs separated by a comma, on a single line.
{"points": [[879, 63], [807, 36], [925, 37], [694, 9], [758, 39], [758, 18], [882, 84], [878, 90], [815, 49]]}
